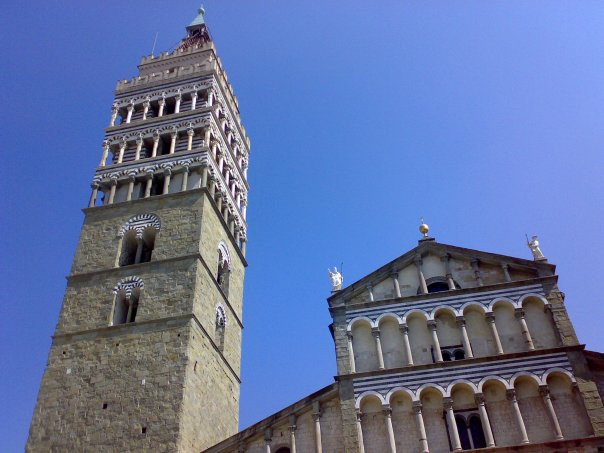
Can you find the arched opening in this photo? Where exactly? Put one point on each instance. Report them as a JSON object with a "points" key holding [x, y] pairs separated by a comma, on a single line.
{"points": [[126, 307], [459, 354], [373, 426], [403, 420], [220, 327], [534, 412], [540, 323], [479, 333], [477, 432], [501, 412], [437, 287], [420, 339], [148, 244], [364, 347], [392, 343], [462, 432], [283, 450], [448, 333], [508, 327], [569, 406], [224, 268], [434, 419], [129, 247]]}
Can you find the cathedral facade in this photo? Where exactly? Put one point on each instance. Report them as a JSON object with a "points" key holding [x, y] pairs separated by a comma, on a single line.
{"points": [[442, 349]]}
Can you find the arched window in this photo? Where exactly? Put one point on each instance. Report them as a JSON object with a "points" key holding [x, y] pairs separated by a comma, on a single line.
{"points": [[462, 431], [437, 287], [138, 242], [127, 294], [477, 432], [224, 268], [283, 450], [221, 321]]}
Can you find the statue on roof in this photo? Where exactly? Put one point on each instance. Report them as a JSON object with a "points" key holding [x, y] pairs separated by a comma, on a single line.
{"points": [[533, 244], [336, 279]]}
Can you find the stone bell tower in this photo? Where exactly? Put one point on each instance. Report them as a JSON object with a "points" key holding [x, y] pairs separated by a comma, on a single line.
{"points": [[146, 352]]}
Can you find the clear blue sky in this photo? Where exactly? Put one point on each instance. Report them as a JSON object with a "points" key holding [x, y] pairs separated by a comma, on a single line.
{"points": [[486, 118]]}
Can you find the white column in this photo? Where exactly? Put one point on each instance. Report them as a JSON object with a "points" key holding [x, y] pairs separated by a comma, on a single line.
{"points": [[204, 177], [178, 99], [420, 275], [484, 418], [506, 272], [194, 103], [120, 157], [437, 352], [155, 143], [461, 322], [450, 282], [190, 133], [544, 391], [113, 184], [406, 344], [525, 331], [292, 439], [105, 153], [268, 438], [378, 346], [148, 184], [173, 136], [387, 411], [130, 110], [206, 136], [162, 106], [351, 352], [114, 111], [146, 106], [360, 432], [167, 175], [397, 287], [94, 194], [421, 428], [131, 179], [453, 433], [244, 209], [185, 178], [511, 395], [139, 146], [370, 291], [490, 318], [317, 420]]}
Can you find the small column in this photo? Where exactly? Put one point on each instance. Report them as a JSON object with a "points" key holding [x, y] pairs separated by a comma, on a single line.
{"points": [[113, 184], [146, 106], [130, 308], [387, 411], [511, 395], [155, 143], [148, 185], [204, 177], [525, 331], [178, 99], [421, 428], [490, 317], [484, 418], [139, 146], [378, 345], [243, 242], [448, 274], [406, 344], [94, 194], [206, 136], [219, 202], [139, 249], [397, 287], [477, 275], [420, 275], [268, 438], [167, 175], [544, 392], [190, 133], [244, 208], [185, 178], [292, 433], [453, 433], [130, 111], [131, 179], [351, 352], [105, 153], [120, 156], [316, 416], [370, 291], [162, 105], [114, 111], [244, 166], [437, 352], [173, 136], [360, 431], [461, 322], [506, 272], [194, 102]]}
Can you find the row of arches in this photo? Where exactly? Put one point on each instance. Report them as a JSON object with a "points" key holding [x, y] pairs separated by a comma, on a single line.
{"points": [[447, 334], [497, 412]]}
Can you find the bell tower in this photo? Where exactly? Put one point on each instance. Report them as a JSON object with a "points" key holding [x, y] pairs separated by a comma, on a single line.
{"points": [[146, 352]]}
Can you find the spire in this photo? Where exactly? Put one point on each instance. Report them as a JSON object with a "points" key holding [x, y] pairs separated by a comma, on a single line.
{"points": [[199, 20]]}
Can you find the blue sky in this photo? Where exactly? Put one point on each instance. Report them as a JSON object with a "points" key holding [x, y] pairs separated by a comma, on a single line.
{"points": [[486, 118]]}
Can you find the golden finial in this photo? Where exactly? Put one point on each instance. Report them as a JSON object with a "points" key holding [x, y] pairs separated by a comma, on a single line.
{"points": [[424, 228]]}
